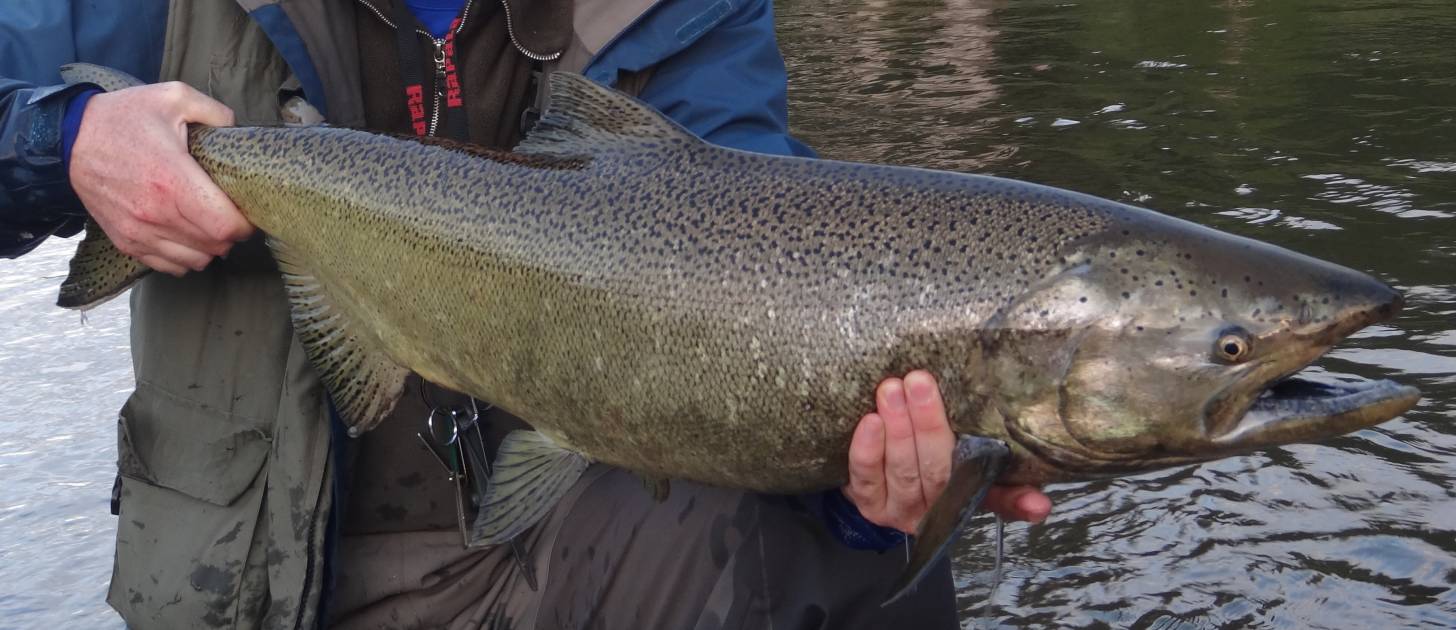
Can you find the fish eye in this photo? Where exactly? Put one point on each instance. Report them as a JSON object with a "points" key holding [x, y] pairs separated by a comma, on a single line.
{"points": [[1232, 346]]}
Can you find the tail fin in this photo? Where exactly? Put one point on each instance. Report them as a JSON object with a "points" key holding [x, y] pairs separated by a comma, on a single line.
{"points": [[109, 79], [99, 272]]}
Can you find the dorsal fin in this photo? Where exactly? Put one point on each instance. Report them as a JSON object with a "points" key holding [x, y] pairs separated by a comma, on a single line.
{"points": [[585, 119], [550, 162]]}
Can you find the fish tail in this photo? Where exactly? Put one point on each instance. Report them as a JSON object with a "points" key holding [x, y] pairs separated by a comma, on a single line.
{"points": [[99, 272]]}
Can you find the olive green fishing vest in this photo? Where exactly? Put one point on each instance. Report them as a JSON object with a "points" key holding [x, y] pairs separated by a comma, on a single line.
{"points": [[224, 447]]}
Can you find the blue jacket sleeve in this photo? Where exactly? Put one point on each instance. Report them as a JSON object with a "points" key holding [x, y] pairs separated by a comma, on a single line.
{"points": [[36, 37], [731, 88], [36, 199]]}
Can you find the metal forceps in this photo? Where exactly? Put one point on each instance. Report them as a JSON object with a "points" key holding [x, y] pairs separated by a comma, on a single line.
{"points": [[453, 437]]}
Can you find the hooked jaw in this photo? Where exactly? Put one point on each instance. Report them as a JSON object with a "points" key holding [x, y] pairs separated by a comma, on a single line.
{"points": [[1298, 410], [1270, 408]]}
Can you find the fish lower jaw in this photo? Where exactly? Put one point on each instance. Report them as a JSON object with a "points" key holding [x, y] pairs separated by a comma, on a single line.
{"points": [[1299, 410]]}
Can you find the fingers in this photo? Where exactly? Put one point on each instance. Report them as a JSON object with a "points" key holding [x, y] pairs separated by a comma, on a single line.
{"points": [[177, 258], [163, 265], [131, 168], [208, 210], [934, 440], [905, 502], [204, 207], [1018, 503], [200, 108], [866, 488], [900, 460]]}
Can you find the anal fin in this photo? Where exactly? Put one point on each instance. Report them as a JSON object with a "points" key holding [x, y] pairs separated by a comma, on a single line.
{"points": [[530, 476], [363, 382], [99, 271], [976, 464]]}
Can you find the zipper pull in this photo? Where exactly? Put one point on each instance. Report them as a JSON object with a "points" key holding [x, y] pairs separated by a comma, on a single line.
{"points": [[440, 66]]}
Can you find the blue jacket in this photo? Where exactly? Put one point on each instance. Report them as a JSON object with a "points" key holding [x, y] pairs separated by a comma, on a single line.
{"points": [[704, 78]]}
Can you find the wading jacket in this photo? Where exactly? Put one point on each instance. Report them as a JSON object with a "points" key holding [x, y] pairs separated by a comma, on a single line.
{"points": [[225, 446]]}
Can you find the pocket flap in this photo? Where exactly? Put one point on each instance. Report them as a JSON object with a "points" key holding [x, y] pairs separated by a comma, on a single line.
{"points": [[181, 445]]}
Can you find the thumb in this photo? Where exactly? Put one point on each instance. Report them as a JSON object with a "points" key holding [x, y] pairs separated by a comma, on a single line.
{"points": [[203, 109]]}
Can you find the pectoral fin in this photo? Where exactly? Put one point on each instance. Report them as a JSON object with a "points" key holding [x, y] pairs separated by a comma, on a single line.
{"points": [[530, 475], [976, 465]]}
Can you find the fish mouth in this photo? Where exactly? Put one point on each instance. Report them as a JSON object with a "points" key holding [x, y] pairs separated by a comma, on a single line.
{"points": [[1274, 406], [1297, 409]]}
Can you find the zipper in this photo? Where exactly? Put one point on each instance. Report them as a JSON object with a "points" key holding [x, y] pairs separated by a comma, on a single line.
{"points": [[511, 32], [439, 83], [510, 28], [439, 43], [439, 97]]}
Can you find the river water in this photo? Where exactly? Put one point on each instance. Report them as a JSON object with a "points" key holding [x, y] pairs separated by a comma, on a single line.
{"points": [[1323, 125], [1327, 126]]}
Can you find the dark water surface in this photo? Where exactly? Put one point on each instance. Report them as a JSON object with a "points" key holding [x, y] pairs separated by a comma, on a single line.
{"points": [[1326, 126]]}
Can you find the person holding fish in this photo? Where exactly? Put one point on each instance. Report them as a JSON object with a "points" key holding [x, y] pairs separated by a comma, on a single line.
{"points": [[243, 503]]}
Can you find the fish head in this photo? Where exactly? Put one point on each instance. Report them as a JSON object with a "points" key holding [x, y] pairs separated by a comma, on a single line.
{"points": [[1161, 343]]}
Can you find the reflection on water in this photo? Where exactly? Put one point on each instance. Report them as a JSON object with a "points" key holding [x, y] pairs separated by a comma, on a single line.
{"points": [[61, 383], [1321, 125]]}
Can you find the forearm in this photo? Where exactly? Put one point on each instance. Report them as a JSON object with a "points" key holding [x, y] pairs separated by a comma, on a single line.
{"points": [[36, 198]]}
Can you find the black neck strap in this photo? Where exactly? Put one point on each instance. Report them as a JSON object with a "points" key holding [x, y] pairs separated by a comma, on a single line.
{"points": [[446, 95]]}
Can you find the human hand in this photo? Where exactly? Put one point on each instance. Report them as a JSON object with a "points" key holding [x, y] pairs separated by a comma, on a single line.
{"points": [[131, 169], [900, 459]]}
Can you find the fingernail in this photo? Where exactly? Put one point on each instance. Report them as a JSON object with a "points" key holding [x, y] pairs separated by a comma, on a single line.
{"points": [[921, 389], [894, 396]]}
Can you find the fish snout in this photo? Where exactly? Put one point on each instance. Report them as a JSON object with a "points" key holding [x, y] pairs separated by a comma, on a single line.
{"points": [[1360, 305]]}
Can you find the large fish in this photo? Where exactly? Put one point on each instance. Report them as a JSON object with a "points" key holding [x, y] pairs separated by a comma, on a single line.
{"points": [[686, 311]]}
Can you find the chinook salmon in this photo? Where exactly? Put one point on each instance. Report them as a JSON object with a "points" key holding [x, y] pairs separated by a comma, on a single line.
{"points": [[686, 311]]}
